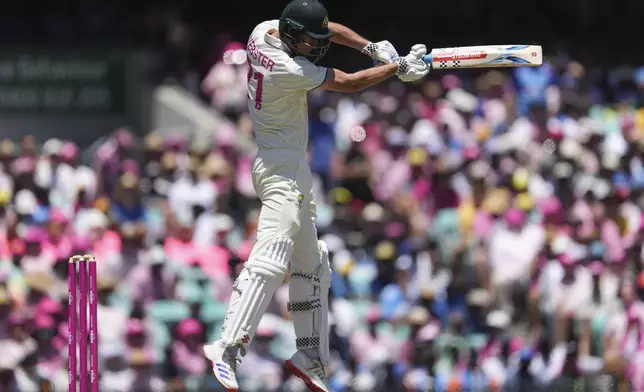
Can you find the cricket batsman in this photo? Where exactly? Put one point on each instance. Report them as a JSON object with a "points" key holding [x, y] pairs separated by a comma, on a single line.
{"points": [[283, 56]]}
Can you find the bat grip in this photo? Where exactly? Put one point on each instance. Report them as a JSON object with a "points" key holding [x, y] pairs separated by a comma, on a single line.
{"points": [[428, 58]]}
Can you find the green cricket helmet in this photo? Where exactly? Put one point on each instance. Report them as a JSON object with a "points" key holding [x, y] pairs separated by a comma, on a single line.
{"points": [[306, 18]]}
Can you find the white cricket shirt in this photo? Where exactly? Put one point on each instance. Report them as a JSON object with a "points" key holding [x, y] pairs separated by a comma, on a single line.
{"points": [[277, 88]]}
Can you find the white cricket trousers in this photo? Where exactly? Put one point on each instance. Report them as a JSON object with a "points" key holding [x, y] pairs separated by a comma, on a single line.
{"points": [[283, 182]]}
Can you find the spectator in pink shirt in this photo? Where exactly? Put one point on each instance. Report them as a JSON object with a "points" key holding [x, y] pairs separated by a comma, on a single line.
{"points": [[35, 258], [392, 169], [151, 280], [187, 353], [371, 348], [57, 229], [226, 81], [180, 247], [50, 347]]}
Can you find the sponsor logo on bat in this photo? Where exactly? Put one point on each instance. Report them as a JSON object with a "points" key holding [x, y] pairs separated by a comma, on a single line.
{"points": [[476, 55]]}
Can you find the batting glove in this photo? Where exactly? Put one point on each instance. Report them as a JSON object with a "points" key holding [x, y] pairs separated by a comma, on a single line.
{"points": [[382, 51], [412, 67]]}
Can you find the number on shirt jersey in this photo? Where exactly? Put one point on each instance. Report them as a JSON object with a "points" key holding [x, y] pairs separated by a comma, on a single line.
{"points": [[259, 77]]}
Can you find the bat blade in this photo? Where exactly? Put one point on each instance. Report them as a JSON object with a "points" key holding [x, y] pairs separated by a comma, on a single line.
{"points": [[486, 56]]}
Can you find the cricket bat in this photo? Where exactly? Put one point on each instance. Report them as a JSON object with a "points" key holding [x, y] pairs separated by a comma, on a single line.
{"points": [[487, 56]]}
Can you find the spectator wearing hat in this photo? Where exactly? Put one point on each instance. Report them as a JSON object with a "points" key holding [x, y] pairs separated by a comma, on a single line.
{"points": [[151, 280], [186, 352], [51, 359], [132, 241], [422, 364], [35, 258], [142, 374], [513, 248], [58, 239], [418, 352], [226, 81], [567, 285], [105, 243], [380, 345], [354, 172], [127, 205], [490, 356], [19, 329], [137, 336], [112, 319]]}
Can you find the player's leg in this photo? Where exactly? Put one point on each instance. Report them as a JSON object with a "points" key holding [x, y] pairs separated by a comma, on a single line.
{"points": [[309, 292], [264, 271]]}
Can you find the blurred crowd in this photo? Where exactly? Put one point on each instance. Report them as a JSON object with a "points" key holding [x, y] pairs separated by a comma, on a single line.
{"points": [[486, 234]]}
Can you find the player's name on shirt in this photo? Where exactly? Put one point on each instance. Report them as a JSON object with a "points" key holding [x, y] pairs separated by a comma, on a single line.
{"points": [[262, 59]]}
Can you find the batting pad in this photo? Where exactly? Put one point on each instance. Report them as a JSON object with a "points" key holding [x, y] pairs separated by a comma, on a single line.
{"points": [[309, 306], [256, 285]]}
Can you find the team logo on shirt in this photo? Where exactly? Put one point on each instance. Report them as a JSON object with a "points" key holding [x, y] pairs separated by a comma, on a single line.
{"points": [[325, 22]]}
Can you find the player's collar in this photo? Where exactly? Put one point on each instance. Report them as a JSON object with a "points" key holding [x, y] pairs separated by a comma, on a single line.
{"points": [[276, 42]]}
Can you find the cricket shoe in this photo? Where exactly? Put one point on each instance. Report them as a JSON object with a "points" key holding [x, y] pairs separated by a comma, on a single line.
{"points": [[224, 364], [310, 371]]}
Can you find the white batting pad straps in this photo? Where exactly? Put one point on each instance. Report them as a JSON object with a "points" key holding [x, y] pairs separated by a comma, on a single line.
{"points": [[255, 286], [310, 293]]}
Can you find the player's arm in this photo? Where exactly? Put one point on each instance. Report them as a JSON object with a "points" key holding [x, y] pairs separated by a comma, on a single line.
{"points": [[343, 82], [342, 35], [409, 68], [382, 51]]}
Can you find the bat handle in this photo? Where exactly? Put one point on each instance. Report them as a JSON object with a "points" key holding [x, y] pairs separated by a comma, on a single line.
{"points": [[428, 58]]}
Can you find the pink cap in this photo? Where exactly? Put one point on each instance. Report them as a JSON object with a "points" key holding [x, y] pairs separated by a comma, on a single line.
{"points": [[394, 230], [472, 152], [374, 315], [175, 142], [123, 137], [428, 333], [450, 81], [63, 253], [596, 268], [516, 344], [515, 217], [24, 165], [69, 152], [567, 261], [58, 216], [135, 327], [49, 306], [130, 166], [552, 206], [226, 137], [632, 313], [189, 327], [34, 234], [45, 321]]}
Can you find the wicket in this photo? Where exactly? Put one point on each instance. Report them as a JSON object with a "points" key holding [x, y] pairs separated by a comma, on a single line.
{"points": [[78, 298]]}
